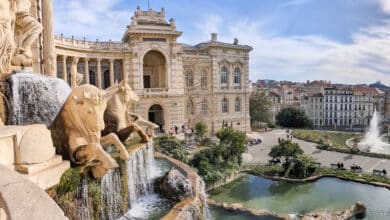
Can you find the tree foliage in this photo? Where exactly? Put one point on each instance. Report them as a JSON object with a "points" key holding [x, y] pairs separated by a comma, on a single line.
{"points": [[200, 130], [222, 159], [260, 108], [286, 150], [291, 117], [171, 146]]}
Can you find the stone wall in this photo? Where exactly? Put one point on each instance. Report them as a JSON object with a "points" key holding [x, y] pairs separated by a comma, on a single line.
{"points": [[192, 207]]}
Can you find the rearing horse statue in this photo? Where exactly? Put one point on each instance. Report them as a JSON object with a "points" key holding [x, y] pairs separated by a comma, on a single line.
{"points": [[116, 115]]}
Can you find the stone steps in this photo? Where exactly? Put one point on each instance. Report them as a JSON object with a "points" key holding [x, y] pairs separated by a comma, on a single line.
{"points": [[35, 168], [49, 176]]}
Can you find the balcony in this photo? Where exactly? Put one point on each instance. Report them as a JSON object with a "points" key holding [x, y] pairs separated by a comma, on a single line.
{"points": [[156, 92]]}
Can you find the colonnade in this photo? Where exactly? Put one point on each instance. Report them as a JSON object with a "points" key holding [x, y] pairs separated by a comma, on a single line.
{"points": [[101, 72]]}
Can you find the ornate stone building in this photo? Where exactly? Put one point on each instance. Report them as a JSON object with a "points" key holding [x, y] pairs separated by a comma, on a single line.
{"points": [[178, 84]]}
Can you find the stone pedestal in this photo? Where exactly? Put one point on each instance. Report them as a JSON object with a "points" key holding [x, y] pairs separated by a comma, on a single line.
{"points": [[29, 150]]}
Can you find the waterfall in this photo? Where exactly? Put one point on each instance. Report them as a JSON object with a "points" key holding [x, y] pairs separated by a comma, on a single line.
{"points": [[35, 98], [141, 171], [111, 195], [82, 200], [203, 196]]}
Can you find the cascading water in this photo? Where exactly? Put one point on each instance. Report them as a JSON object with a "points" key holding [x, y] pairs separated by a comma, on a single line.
{"points": [[111, 195], [82, 200], [372, 139], [203, 196], [141, 171], [35, 98]]}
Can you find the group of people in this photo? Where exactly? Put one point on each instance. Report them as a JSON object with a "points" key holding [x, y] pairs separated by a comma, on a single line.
{"points": [[175, 130], [356, 168], [380, 172]]}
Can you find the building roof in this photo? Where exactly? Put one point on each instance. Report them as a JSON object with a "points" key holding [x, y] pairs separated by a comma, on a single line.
{"points": [[366, 90]]}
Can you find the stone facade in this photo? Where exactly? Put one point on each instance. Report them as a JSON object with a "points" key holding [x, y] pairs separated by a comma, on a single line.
{"points": [[178, 84]]}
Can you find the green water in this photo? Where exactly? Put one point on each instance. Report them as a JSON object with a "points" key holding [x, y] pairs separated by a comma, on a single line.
{"points": [[296, 198]]}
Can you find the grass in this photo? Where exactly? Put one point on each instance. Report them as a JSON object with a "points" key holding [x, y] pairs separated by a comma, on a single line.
{"points": [[334, 139]]}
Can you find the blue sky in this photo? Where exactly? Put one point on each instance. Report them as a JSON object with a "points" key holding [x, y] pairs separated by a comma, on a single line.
{"points": [[344, 41]]}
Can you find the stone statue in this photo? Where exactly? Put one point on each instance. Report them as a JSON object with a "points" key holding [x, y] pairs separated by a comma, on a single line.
{"points": [[150, 126], [116, 116], [76, 78], [7, 43], [27, 30], [82, 115]]}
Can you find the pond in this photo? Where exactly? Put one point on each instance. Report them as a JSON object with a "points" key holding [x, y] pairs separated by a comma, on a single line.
{"points": [[297, 198]]}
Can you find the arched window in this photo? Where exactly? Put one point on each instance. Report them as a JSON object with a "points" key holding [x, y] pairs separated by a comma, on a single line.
{"points": [[224, 80], [225, 104], [92, 78], [203, 79], [204, 106], [237, 104], [237, 77], [106, 77], [190, 79]]}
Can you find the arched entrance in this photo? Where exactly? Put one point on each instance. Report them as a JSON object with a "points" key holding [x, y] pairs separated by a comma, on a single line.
{"points": [[156, 115], [154, 69]]}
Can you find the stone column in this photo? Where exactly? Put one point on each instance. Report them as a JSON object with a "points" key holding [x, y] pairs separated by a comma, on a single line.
{"points": [[73, 72], [86, 70], [112, 74], [49, 55], [64, 72], [99, 72], [124, 72]]}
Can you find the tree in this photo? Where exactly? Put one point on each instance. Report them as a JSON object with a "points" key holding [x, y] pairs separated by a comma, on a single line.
{"points": [[221, 160], [260, 109], [232, 142], [200, 130], [291, 117], [301, 165], [171, 146], [287, 151]]}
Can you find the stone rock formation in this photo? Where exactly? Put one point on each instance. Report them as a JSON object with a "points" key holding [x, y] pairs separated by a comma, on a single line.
{"points": [[82, 116], [358, 209], [174, 185], [34, 98], [116, 116]]}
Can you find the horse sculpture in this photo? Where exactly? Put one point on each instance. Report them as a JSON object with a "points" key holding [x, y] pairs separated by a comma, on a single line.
{"points": [[117, 115], [82, 115]]}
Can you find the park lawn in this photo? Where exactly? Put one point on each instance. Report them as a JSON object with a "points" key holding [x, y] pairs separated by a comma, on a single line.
{"points": [[337, 139]]}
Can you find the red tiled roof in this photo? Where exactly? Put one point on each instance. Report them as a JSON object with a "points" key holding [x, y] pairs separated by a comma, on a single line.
{"points": [[366, 90]]}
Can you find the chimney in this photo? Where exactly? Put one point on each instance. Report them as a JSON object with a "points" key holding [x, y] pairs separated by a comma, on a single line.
{"points": [[213, 37]]}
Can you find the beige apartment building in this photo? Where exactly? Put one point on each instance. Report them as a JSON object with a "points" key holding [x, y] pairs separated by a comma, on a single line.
{"points": [[178, 84]]}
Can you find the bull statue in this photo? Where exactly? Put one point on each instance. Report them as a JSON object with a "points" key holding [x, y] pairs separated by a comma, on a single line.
{"points": [[82, 116]]}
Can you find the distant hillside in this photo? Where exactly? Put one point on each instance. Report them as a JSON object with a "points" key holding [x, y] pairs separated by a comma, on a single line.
{"points": [[379, 85]]}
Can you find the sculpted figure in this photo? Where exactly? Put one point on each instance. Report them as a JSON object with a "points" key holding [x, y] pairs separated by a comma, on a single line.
{"points": [[27, 29], [7, 43], [82, 115], [116, 116], [75, 77], [150, 126]]}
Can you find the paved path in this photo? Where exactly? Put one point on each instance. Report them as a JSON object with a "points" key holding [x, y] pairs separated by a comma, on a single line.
{"points": [[269, 139]]}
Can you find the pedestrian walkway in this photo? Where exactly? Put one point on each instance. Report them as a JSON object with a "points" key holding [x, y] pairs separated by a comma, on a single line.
{"points": [[325, 157]]}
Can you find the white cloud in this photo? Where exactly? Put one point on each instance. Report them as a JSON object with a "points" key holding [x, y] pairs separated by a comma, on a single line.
{"points": [[299, 58], [91, 18], [385, 6]]}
